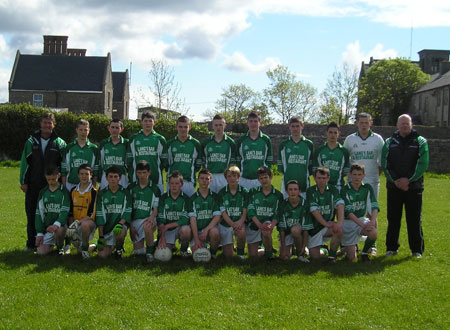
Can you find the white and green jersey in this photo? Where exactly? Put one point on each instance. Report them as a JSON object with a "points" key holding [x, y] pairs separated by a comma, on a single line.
{"points": [[112, 154], [149, 148], [360, 202], [217, 156], [291, 216], [337, 160], [252, 154], [52, 208], [204, 209], [184, 157], [366, 152], [264, 207], [112, 207], [295, 161], [173, 210], [74, 156], [233, 204], [326, 203], [143, 200]]}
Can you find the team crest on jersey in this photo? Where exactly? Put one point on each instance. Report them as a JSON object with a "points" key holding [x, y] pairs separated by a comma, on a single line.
{"points": [[106, 200], [257, 201], [226, 203], [106, 151], [210, 149], [45, 200], [288, 150], [174, 149], [355, 146], [166, 207], [138, 142], [246, 147], [74, 154]]}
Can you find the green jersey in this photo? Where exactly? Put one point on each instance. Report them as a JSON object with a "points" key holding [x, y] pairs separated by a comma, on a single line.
{"points": [[291, 216], [252, 154], [217, 156], [337, 160], [149, 148], [204, 209], [295, 161], [52, 208], [112, 154], [233, 204], [74, 156], [184, 157], [143, 200], [264, 207], [173, 210], [360, 202], [112, 207], [326, 203]]}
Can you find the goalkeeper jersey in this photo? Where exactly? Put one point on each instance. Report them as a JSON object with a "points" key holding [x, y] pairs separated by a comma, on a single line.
{"points": [[52, 208], [337, 160], [204, 208], [360, 202], [252, 154], [184, 157], [264, 207], [82, 203], [143, 200], [217, 156], [291, 216], [74, 156], [233, 204], [112, 154], [112, 207], [173, 210]]}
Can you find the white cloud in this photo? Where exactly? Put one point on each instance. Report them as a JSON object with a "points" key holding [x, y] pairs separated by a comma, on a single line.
{"points": [[353, 55], [238, 62], [4, 78]]}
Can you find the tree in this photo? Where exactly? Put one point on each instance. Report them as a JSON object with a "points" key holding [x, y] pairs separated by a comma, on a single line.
{"points": [[287, 96], [330, 109], [341, 94], [386, 89], [235, 99]]}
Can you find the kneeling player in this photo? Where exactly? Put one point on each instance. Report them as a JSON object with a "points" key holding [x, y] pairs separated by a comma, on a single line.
{"points": [[113, 214], [324, 200], [292, 227], [234, 202], [204, 215], [360, 202], [173, 220], [264, 202], [51, 213], [145, 196]]}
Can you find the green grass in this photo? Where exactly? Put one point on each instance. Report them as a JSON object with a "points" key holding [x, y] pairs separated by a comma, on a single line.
{"points": [[53, 292]]}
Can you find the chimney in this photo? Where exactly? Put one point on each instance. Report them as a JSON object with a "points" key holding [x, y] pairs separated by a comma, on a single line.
{"points": [[55, 45], [76, 52]]}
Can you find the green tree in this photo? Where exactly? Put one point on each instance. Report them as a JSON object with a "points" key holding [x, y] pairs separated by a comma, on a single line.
{"points": [[330, 109], [386, 88]]}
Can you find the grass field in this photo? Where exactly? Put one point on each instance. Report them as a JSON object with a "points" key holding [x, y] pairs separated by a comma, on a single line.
{"points": [[64, 292]]}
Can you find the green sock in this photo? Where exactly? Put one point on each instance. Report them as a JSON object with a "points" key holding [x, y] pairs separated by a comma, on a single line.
{"points": [[183, 248], [367, 245], [68, 241], [213, 252], [268, 254], [85, 247], [150, 249], [374, 245], [332, 254], [240, 252]]}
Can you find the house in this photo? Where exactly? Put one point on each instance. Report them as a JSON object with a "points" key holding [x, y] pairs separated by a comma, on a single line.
{"points": [[121, 95], [66, 78]]}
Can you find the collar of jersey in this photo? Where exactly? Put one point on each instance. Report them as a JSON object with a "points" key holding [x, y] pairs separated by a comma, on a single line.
{"points": [[89, 187], [260, 133], [368, 136], [189, 138], [302, 138], [120, 136], [142, 132]]}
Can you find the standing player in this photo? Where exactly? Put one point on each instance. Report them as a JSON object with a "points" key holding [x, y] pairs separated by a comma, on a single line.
{"points": [[333, 155], [149, 146], [234, 200], [80, 151], [144, 201], [205, 215], [295, 157], [263, 212], [219, 151], [324, 202], [184, 155], [113, 215], [113, 151], [254, 151], [360, 202]]}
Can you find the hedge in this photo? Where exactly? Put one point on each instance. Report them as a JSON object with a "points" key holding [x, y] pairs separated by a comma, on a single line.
{"points": [[20, 120]]}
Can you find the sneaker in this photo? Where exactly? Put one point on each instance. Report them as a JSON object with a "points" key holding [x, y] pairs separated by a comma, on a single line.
{"points": [[302, 258], [61, 252], [29, 249], [331, 260], [92, 247], [67, 249], [417, 255], [373, 252], [185, 254], [242, 257], [85, 255], [119, 253], [149, 257], [390, 253], [365, 258]]}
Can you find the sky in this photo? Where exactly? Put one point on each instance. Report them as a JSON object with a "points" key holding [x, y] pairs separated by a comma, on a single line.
{"points": [[211, 44]]}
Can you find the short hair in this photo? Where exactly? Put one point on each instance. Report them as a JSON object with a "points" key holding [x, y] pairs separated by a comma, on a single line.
{"points": [[114, 170], [85, 166], [204, 171], [253, 114], [142, 165], [116, 120], [363, 115], [82, 122], [219, 117], [322, 170], [233, 169], [293, 182], [357, 167], [51, 169], [263, 170], [183, 119], [148, 114], [49, 116], [176, 175], [295, 119]]}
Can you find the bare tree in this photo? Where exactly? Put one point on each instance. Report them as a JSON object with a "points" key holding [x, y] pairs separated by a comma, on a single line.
{"points": [[235, 99]]}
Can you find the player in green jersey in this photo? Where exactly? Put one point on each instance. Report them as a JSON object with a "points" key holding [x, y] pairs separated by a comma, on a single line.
{"points": [[361, 210], [263, 212], [254, 150], [234, 203], [292, 226], [333, 155], [149, 146], [173, 220], [219, 151], [204, 215], [113, 151], [80, 151], [113, 215], [324, 202], [51, 213], [144, 200], [295, 157], [184, 155]]}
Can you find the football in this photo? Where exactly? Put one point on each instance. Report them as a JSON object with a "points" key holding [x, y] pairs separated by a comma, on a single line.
{"points": [[163, 254], [201, 255], [72, 230]]}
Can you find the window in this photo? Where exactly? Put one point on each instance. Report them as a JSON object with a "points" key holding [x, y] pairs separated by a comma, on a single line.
{"points": [[38, 100]]}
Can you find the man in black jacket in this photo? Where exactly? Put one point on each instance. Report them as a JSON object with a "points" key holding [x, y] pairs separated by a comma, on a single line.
{"points": [[42, 148], [404, 159]]}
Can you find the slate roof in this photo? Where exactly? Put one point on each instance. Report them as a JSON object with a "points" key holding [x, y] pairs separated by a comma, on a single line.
{"points": [[53, 72], [118, 79], [436, 81]]}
